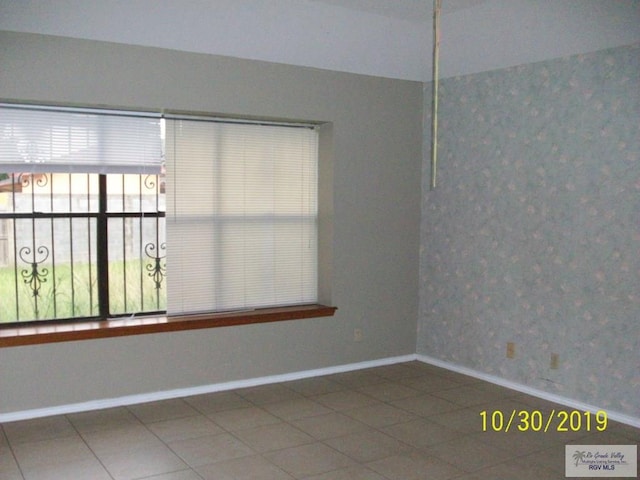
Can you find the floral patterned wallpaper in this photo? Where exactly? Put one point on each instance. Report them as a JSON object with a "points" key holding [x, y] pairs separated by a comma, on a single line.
{"points": [[532, 235]]}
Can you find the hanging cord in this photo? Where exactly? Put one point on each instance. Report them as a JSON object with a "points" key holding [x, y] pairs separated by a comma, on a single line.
{"points": [[437, 5]]}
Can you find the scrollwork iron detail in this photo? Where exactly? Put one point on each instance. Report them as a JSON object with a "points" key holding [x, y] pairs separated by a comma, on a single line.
{"points": [[158, 269], [150, 182], [34, 276], [32, 180]]}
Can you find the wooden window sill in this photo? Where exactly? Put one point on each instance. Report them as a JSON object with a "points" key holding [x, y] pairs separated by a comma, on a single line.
{"points": [[43, 333]]}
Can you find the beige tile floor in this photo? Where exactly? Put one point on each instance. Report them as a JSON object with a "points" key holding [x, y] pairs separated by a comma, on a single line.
{"points": [[400, 422]]}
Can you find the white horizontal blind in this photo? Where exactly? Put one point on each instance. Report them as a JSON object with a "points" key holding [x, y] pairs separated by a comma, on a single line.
{"points": [[241, 215], [51, 140]]}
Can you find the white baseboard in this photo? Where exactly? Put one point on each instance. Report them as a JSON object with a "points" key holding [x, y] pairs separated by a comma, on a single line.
{"points": [[575, 404], [186, 392], [252, 382]]}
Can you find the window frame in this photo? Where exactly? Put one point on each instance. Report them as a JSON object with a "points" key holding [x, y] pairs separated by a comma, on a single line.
{"points": [[52, 331]]}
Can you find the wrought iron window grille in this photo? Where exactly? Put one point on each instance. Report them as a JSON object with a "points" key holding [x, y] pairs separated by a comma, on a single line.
{"points": [[55, 261]]}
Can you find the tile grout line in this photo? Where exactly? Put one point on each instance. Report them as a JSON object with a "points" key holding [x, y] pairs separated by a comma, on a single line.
{"points": [[89, 446], [353, 386], [10, 447]]}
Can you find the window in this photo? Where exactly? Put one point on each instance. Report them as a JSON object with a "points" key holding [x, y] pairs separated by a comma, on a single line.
{"points": [[81, 215], [57, 224], [83, 222], [242, 215]]}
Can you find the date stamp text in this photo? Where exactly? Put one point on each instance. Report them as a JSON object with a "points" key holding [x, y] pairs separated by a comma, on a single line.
{"points": [[537, 421]]}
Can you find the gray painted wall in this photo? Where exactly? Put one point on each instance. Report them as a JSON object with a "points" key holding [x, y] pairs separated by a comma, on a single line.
{"points": [[370, 216], [532, 235]]}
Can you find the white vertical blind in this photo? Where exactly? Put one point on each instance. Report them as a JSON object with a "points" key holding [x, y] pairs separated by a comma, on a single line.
{"points": [[55, 140], [241, 215]]}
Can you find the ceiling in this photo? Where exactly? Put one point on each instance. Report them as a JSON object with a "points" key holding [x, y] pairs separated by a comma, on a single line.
{"points": [[388, 38]]}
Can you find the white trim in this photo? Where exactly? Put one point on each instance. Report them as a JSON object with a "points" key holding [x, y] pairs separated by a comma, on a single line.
{"points": [[238, 120], [616, 416], [89, 110], [286, 377], [185, 392]]}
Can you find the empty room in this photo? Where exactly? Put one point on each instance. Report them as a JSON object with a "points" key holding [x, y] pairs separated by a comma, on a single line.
{"points": [[319, 239]]}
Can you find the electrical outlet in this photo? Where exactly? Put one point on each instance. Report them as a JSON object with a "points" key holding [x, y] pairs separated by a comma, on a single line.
{"points": [[357, 335], [511, 350], [555, 361]]}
